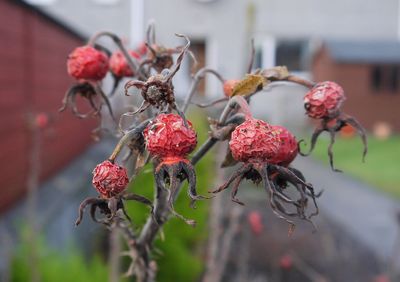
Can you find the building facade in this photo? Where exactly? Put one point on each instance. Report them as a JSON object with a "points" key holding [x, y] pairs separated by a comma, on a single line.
{"points": [[371, 78]]}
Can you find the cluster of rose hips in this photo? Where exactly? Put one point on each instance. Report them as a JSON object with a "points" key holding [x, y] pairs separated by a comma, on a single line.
{"points": [[89, 66], [265, 152]]}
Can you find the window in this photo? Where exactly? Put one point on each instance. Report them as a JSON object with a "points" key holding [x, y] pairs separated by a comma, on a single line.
{"points": [[291, 53], [377, 78], [394, 79], [385, 78]]}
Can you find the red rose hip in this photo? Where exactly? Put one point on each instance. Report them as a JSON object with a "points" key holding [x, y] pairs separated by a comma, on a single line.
{"points": [[254, 141], [86, 62], [109, 179], [167, 136], [288, 148], [324, 99], [119, 65]]}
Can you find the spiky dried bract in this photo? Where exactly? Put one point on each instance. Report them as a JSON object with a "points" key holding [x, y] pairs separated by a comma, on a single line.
{"points": [[109, 179], [288, 148], [167, 136], [119, 65], [86, 62], [254, 141], [324, 99]]}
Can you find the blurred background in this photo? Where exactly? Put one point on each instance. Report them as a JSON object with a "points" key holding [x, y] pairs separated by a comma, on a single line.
{"points": [[47, 157]]}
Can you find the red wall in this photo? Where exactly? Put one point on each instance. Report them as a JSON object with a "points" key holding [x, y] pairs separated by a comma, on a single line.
{"points": [[33, 78]]}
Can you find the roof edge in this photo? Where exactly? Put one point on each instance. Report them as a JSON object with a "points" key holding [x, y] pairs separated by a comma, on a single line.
{"points": [[61, 24]]}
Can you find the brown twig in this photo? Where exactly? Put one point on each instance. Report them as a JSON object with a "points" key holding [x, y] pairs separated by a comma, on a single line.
{"points": [[226, 245], [196, 80], [298, 80], [33, 185]]}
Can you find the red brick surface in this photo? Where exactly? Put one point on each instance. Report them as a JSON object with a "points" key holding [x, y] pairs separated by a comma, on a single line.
{"points": [[33, 78]]}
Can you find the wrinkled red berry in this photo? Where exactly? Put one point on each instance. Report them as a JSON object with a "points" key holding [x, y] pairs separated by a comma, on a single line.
{"points": [[109, 179], [167, 136], [324, 99], [119, 65], [288, 148], [254, 141], [255, 221], [87, 63], [228, 86], [142, 49]]}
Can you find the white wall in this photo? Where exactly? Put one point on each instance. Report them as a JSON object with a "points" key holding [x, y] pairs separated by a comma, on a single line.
{"points": [[222, 24], [353, 19]]}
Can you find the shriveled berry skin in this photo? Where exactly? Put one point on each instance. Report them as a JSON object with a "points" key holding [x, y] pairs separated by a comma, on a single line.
{"points": [[141, 49], [254, 141], [119, 65], [229, 85], [166, 136], [87, 63], [288, 148], [324, 99], [109, 179]]}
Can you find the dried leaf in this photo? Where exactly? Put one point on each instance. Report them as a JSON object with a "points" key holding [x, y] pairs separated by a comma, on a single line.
{"points": [[249, 85]]}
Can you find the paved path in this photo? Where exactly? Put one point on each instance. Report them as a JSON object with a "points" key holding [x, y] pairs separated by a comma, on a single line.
{"points": [[59, 197], [364, 212]]}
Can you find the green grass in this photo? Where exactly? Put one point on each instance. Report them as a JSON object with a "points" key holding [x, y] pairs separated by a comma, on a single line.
{"points": [[382, 165], [54, 266]]}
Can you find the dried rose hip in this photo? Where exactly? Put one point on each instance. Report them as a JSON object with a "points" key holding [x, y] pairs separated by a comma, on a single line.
{"points": [[171, 141], [254, 141], [86, 62], [229, 85], [142, 49], [288, 148], [323, 102], [119, 65], [265, 156], [324, 99], [109, 179], [167, 136]]}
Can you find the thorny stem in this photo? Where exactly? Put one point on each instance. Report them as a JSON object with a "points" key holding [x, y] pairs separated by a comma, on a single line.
{"points": [[140, 247], [32, 185], [252, 55], [127, 138], [210, 142], [114, 254], [227, 242], [233, 102], [298, 80], [196, 80], [144, 268]]}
